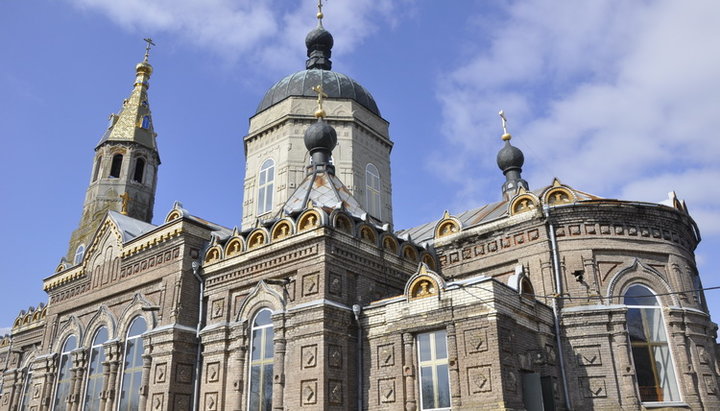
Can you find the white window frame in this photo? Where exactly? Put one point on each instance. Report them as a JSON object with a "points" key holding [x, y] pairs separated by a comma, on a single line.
{"points": [[671, 371], [373, 187], [64, 351], [266, 186], [99, 346], [434, 362], [128, 337], [79, 254], [264, 359]]}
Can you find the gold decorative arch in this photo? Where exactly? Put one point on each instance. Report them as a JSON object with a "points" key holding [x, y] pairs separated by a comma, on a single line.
{"points": [[256, 239], [523, 203], [281, 230], [390, 244], [344, 224], [213, 254], [368, 235], [448, 225], [559, 195], [422, 287], [309, 219], [234, 247], [174, 215]]}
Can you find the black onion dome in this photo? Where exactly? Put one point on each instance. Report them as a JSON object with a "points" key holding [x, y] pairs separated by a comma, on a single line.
{"points": [[334, 84], [319, 38], [510, 157], [320, 136]]}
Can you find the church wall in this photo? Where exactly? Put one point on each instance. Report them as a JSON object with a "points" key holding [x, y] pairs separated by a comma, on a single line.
{"points": [[493, 335]]}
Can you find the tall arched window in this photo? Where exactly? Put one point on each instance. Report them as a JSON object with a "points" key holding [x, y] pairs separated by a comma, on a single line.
{"points": [[116, 165], [266, 181], [146, 122], [434, 371], [261, 362], [26, 392], [139, 170], [63, 384], [94, 384], [79, 254], [132, 368], [653, 363], [372, 190]]}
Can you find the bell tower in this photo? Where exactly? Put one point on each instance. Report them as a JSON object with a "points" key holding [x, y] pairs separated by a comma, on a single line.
{"points": [[124, 170]]}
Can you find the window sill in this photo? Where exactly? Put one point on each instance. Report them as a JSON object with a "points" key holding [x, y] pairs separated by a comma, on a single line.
{"points": [[665, 404]]}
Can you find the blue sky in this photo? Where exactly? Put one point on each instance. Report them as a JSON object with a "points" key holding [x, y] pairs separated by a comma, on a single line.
{"points": [[617, 98]]}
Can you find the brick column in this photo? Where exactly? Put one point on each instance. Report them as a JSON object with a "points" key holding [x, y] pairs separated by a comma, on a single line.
{"points": [[145, 377], [626, 378], [454, 367], [685, 371], [113, 360], [238, 357], [278, 373], [409, 372], [17, 388], [48, 381], [78, 371]]}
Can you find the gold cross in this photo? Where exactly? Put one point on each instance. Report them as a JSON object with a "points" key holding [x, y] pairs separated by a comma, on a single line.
{"points": [[319, 90], [320, 14], [125, 200], [147, 48]]}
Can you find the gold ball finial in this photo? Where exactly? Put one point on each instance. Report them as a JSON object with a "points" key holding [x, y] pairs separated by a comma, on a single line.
{"points": [[320, 113], [506, 136], [320, 15]]}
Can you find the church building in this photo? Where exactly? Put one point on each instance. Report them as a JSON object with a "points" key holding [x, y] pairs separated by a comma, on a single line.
{"points": [[550, 298]]}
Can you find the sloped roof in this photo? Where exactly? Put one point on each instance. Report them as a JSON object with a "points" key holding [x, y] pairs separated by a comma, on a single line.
{"points": [[129, 227], [481, 215], [326, 191]]}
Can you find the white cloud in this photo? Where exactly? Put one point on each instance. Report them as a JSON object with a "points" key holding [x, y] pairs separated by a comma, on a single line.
{"points": [[616, 98], [266, 33], [4, 331]]}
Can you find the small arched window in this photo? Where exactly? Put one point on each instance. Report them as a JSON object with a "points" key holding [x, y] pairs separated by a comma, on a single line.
{"points": [[116, 165], [266, 181], [372, 190], [97, 169], [95, 380], [63, 384], [653, 363], [79, 254], [133, 365], [146, 122], [139, 170], [261, 362]]}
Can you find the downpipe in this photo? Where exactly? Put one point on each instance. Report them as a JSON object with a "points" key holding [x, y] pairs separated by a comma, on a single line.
{"points": [[556, 309], [198, 354], [359, 362]]}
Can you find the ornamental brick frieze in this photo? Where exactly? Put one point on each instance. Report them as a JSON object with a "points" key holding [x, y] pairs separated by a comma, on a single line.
{"points": [[145, 264], [484, 247], [264, 265], [65, 294], [371, 264]]}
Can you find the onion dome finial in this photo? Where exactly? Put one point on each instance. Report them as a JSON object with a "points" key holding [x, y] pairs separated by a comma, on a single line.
{"points": [[320, 138], [510, 160], [319, 43]]}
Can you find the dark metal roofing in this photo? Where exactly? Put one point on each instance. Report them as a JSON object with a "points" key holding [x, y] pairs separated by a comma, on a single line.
{"points": [[336, 85], [479, 215]]}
